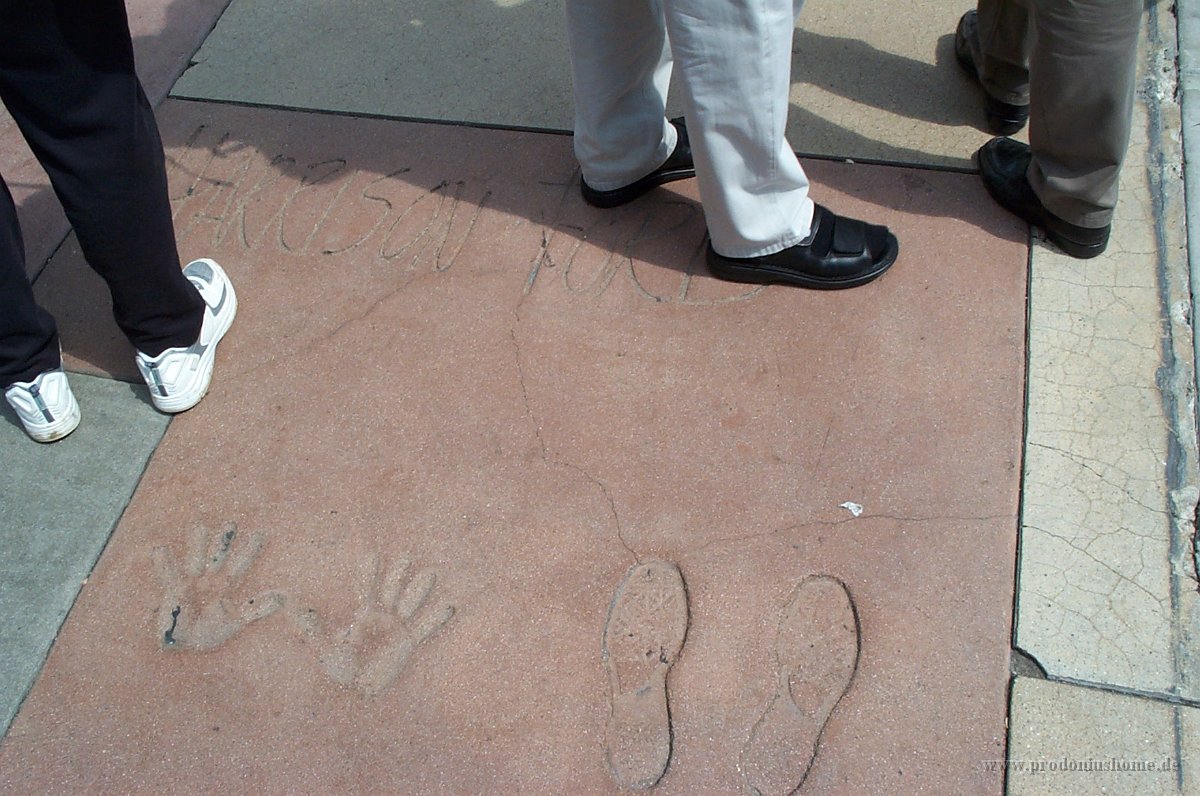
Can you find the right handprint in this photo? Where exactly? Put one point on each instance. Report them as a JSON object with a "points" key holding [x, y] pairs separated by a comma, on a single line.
{"points": [[389, 625]]}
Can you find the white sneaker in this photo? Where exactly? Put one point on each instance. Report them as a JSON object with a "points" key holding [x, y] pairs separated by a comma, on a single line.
{"points": [[46, 405], [179, 377]]}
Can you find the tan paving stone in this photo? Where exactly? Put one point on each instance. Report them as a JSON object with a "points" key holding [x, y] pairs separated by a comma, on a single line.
{"points": [[458, 405], [504, 62], [1068, 740], [925, 111], [1108, 586]]}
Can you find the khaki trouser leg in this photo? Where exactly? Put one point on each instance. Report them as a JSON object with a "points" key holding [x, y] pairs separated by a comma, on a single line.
{"points": [[1005, 44], [1082, 69]]}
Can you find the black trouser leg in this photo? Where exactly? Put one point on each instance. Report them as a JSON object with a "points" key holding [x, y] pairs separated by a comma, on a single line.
{"points": [[28, 338], [67, 77]]}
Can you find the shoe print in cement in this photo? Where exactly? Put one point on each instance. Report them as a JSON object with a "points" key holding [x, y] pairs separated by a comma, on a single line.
{"points": [[647, 623], [816, 656]]}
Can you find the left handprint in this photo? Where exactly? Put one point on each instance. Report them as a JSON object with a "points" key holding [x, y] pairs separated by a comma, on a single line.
{"points": [[199, 610]]}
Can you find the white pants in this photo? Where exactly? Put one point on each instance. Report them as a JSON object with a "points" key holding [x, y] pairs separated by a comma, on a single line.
{"points": [[734, 59]]}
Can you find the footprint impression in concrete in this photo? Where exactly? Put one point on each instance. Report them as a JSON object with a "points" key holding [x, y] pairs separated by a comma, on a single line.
{"points": [[816, 654], [199, 609], [647, 623], [371, 651]]}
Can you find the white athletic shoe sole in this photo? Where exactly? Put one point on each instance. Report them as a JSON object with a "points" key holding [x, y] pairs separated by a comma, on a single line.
{"points": [[179, 377], [46, 406]]}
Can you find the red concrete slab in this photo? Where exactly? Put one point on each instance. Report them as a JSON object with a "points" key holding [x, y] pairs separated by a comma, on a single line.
{"points": [[165, 36], [456, 409]]}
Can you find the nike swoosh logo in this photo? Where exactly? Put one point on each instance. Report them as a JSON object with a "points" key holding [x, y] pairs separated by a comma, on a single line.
{"points": [[221, 303]]}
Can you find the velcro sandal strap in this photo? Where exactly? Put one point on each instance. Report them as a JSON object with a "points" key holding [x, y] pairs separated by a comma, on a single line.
{"points": [[849, 235]]}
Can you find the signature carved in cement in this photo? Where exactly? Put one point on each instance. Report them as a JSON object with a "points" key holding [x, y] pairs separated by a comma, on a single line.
{"points": [[238, 194], [589, 259], [227, 192]]}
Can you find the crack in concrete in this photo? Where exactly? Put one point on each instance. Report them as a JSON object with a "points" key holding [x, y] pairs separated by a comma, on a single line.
{"points": [[1108, 688], [537, 428], [612, 506], [1060, 629], [802, 526], [549, 458], [1120, 576]]}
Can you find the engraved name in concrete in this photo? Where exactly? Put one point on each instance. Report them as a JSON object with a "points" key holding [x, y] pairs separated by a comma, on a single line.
{"points": [[586, 259], [233, 194], [228, 193]]}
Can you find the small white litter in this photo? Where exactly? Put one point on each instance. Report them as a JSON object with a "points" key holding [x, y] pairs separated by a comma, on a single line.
{"points": [[853, 508]]}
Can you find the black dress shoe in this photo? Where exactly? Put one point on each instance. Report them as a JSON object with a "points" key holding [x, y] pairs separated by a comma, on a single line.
{"points": [[1003, 118], [1004, 164], [678, 166], [839, 253]]}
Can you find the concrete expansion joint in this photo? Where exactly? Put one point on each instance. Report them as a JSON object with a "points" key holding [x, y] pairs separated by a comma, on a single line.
{"points": [[1164, 56], [1185, 511], [1160, 697]]}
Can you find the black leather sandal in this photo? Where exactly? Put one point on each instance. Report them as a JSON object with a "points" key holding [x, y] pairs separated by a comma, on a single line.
{"points": [[840, 253], [678, 166]]}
